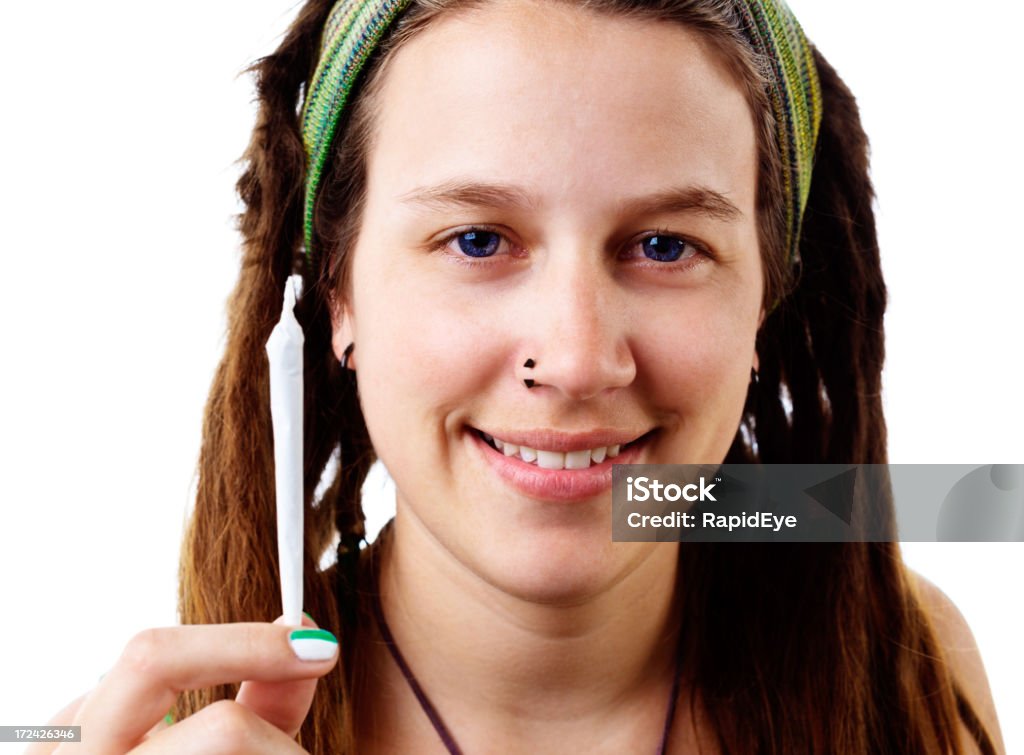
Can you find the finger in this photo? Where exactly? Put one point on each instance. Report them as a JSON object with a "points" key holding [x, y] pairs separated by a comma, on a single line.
{"points": [[158, 663], [224, 728], [284, 704]]}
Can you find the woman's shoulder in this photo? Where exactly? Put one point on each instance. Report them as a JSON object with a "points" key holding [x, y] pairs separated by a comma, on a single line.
{"points": [[962, 654]]}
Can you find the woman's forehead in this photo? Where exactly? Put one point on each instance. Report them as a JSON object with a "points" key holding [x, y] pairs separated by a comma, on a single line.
{"points": [[565, 101]]}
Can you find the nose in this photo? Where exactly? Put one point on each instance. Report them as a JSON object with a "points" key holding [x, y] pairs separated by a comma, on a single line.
{"points": [[579, 317]]}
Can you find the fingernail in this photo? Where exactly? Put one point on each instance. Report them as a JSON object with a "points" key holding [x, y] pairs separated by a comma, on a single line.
{"points": [[169, 718], [308, 616], [313, 644]]}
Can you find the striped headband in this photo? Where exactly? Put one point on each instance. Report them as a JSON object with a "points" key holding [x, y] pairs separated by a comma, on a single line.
{"points": [[355, 27]]}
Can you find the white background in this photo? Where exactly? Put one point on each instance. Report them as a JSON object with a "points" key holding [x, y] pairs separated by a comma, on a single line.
{"points": [[120, 125]]}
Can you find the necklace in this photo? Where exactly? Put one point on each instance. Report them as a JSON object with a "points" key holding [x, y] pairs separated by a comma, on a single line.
{"points": [[435, 718]]}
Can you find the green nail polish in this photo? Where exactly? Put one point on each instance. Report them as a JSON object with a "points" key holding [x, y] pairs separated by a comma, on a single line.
{"points": [[308, 616], [313, 644], [313, 634], [169, 718]]}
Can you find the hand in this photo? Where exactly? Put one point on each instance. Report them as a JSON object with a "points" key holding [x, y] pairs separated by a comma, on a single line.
{"points": [[125, 712]]}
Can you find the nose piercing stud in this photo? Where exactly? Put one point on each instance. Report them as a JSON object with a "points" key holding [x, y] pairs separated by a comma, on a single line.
{"points": [[529, 382]]}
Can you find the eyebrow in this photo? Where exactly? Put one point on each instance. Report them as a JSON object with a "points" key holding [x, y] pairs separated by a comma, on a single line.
{"points": [[473, 194], [697, 199], [458, 192]]}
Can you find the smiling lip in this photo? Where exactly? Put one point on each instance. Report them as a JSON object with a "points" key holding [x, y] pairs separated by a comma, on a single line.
{"points": [[561, 485], [555, 440]]}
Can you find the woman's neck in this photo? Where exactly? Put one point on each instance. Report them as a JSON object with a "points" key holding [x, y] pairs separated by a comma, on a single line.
{"points": [[500, 668]]}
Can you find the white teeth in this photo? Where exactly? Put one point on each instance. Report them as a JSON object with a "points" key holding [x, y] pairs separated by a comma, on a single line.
{"points": [[555, 459], [577, 459], [550, 459]]}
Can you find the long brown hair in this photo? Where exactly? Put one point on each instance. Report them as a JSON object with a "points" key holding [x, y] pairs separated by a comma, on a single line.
{"points": [[796, 648]]}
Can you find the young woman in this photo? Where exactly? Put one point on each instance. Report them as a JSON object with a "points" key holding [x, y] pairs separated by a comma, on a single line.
{"points": [[539, 238]]}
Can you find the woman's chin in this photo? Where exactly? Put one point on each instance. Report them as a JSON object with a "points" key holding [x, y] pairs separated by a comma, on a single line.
{"points": [[535, 551], [559, 570]]}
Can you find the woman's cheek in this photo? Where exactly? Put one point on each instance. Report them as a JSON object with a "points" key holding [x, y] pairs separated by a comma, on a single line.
{"points": [[426, 355], [448, 348], [697, 371]]}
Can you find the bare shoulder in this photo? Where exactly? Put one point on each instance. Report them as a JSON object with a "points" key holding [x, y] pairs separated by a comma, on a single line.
{"points": [[956, 638]]}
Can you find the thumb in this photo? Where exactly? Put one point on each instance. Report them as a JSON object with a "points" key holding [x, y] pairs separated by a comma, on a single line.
{"points": [[284, 704]]}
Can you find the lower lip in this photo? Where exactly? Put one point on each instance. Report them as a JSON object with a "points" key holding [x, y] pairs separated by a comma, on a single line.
{"points": [[560, 485]]}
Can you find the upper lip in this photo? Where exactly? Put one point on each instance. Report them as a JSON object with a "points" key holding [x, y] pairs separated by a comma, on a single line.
{"points": [[558, 440]]}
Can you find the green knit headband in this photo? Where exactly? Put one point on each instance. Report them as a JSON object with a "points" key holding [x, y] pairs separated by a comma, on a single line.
{"points": [[355, 27]]}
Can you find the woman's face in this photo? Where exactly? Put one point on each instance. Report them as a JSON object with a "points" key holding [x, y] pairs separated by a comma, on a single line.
{"points": [[551, 184]]}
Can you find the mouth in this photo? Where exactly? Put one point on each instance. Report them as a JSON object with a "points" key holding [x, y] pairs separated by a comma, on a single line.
{"points": [[564, 458], [553, 466]]}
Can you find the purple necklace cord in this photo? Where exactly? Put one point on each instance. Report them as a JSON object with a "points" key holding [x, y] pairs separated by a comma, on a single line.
{"points": [[435, 717], [670, 714], [421, 696]]}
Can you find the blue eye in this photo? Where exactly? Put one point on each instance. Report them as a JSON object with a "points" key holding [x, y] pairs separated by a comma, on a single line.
{"points": [[664, 248], [479, 243]]}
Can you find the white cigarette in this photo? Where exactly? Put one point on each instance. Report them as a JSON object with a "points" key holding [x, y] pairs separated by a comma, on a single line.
{"points": [[284, 349]]}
